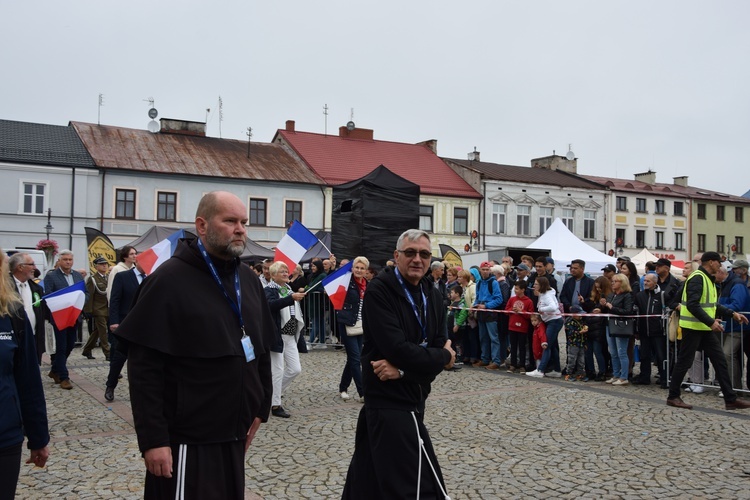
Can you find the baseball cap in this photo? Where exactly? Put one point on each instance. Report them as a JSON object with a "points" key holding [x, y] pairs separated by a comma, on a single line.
{"points": [[486, 263], [523, 267], [710, 256], [550, 260], [740, 263], [576, 309], [623, 257], [610, 267], [664, 262], [100, 260]]}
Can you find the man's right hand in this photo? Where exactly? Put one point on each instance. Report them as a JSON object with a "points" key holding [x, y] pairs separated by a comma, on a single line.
{"points": [[447, 347], [112, 328], [717, 326], [159, 461]]}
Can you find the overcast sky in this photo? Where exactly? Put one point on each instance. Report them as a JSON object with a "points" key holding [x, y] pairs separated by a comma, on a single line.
{"points": [[632, 85]]}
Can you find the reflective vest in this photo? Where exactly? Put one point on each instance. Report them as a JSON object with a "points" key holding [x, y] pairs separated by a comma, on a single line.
{"points": [[708, 302]]}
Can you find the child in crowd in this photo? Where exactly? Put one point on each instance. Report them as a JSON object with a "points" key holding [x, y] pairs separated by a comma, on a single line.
{"points": [[575, 334], [518, 326], [538, 344], [457, 319]]}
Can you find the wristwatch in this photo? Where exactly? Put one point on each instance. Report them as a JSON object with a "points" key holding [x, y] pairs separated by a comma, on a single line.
{"points": [[400, 373]]}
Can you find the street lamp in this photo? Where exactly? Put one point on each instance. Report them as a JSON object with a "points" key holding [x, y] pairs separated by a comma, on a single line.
{"points": [[48, 227]]}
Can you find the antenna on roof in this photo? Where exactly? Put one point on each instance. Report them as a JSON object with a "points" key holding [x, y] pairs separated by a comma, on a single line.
{"points": [[570, 155], [249, 136], [99, 113], [153, 127], [221, 114], [325, 112], [350, 124]]}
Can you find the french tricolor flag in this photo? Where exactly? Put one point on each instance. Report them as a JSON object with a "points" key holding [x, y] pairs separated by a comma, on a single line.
{"points": [[293, 246], [159, 253], [336, 285], [66, 305]]}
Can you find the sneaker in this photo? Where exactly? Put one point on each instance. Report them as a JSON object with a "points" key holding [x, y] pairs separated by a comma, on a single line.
{"points": [[522, 370], [360, 399], [569, 378], [697, 389], [582, 378], [553, 374], [344, 396], [720, 394], [511, 370], [535, 373], [611, 380], [620, 382]]}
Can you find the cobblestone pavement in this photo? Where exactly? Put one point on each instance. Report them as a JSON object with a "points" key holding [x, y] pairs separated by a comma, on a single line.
{"points": [[497, 435]]}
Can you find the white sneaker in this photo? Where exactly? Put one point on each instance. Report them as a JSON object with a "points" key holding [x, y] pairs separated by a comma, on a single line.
{"points": [[344, 396], [720, 394], [611, 380], [620, 381], [360, 399], [535, 373], [554, 374], [696, 389]]}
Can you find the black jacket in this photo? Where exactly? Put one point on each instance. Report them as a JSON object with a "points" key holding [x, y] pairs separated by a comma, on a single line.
{"points": [[392, 332], [276, 303], [650, 302], [124, 287], [39, 314], [694, 294], [566, 295], [189, 380], [622, 305], [347, 316], [669, 288]]}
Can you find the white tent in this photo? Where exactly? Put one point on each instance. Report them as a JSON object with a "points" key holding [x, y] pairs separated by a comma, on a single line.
{"points": [[644, 256], [566, 247]]}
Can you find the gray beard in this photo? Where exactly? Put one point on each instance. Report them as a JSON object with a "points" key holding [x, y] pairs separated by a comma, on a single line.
{"points": [[220, 249]]}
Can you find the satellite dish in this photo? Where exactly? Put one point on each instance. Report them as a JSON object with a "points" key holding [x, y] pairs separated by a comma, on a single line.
{"points": [[153, 126], [570, 156], [350, 126], [152, 113]]}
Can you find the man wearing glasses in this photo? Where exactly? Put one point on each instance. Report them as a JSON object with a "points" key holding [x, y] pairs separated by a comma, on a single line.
{"points": [[405, 347], [22, 269]]}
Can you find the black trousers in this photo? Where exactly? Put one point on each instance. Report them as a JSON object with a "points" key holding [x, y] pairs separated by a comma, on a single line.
{"points": [[386, 458], [709, 342], [201, 471], [10, 467], [657, 345]]}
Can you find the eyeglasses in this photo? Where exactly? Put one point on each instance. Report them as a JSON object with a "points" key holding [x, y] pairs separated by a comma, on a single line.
{"points": [[29, 264], [410, 253]]}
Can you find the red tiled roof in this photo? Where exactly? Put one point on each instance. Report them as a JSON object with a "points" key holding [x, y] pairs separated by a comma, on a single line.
{"points": [[665, 189], [339, 160]]}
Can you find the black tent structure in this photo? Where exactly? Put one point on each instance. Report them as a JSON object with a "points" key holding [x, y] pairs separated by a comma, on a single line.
{"points": [[153, 236], [370, 213]]}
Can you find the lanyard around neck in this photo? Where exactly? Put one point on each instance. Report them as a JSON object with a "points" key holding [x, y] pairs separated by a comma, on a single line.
{"points": [[422, 324], [237, 308]]}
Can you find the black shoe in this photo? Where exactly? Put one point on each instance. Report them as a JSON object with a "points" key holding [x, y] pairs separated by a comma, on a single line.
{"points": [[279, 411], [109, 393], [88, 355]]}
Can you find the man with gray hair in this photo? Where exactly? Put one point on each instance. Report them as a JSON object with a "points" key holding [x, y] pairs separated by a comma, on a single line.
{"points": [[437, 270], [405, 347], [22, 269]]}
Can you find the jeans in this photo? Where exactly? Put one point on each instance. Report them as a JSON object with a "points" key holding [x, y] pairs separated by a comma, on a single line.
{"points": [[553, 347], [692, 340], [65, 340], [318, 327], [594, 349], [658, 345], [490, 342], [352, 368], [732, 346], [618, 349]]}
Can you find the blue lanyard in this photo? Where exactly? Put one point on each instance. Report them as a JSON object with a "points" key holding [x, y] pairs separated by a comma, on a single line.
{"points": [[237, 308], [414, 306]]}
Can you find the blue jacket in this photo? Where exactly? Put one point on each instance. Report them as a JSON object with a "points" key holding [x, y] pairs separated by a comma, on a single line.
{"points": [[488, 293], [734, 296], [21, 394]]}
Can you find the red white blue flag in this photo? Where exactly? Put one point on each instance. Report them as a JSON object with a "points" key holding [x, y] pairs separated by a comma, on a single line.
{"points": [[66, 305], [336, 285], [294, 245], [159, 253]]}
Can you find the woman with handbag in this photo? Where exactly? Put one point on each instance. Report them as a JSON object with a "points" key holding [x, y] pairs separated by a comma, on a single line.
{"points": [[287, 315], [350, 326], [620, 325]]}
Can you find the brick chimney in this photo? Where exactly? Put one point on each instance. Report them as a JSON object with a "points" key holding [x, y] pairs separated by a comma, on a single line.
{"points": [[356, 133], [647, 177], [290, 125], [430, 144], [556, 162], [182, 127], [681, 181]]}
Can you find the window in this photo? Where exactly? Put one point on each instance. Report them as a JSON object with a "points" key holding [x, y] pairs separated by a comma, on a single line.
{"points": [[292, 212], [679, 208], [701, 242], [622, 204], [719, 212], [545, 219], [425, 217], [589, 224], [620, 237], [258, 212], [739, 244], [166, 208], [640, 238], [125, 204], [679, 243], [640, 204], [498, 217], [659, 237], [33, 197], [720, 243], [739, 214], [460, 220], [523, 220], [659, 207], [568, 217], [701, 210]]}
